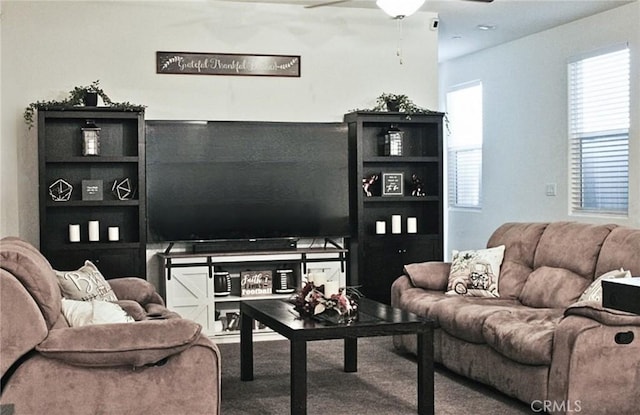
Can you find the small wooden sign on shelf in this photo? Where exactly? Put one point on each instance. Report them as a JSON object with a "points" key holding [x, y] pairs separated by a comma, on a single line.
{"points": [[253, 283], [92, 190], [392, 184]]}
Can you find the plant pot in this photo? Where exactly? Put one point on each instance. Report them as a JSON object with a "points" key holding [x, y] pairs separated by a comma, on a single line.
{"points": [[393, 106], [90, 99]]}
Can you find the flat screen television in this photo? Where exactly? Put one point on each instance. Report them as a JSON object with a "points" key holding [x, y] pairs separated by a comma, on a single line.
{"points": [[232, 180]]}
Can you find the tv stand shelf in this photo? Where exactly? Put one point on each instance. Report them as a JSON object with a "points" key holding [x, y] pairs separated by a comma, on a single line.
{"points": [[188, 282]]}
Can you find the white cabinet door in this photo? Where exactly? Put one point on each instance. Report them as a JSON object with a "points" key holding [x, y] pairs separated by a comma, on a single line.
{"points": [[189, 292]]}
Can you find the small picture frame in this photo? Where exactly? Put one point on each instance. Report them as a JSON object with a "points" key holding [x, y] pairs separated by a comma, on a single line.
{"points": [[392, 184], [92, 190]]}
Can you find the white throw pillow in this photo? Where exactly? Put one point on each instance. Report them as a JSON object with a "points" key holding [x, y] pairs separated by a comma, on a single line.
{"points": [[594, 290], [475, 273], [83, 313]]}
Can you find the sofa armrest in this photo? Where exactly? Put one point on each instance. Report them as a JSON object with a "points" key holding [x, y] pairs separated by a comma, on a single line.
{"points": [[431, 275], [607, 316], [135, 289], [595, 364], [125, 344]]}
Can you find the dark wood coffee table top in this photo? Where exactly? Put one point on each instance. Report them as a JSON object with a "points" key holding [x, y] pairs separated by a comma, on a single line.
{"points": [[373, 319]]}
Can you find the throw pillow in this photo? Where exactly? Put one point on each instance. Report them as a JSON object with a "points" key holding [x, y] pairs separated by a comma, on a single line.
{"points": [[85, 284], [594, 291], [83, 313], [475, 273]]}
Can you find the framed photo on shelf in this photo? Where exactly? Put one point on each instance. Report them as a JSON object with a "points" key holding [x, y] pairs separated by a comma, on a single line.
{"points": [[392, 184]]}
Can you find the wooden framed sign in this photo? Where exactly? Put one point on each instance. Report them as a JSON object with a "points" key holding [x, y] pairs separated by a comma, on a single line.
{"points": [[392, 184], [190, 63], [255, 283]]}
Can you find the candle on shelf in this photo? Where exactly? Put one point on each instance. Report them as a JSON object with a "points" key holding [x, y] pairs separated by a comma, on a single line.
{"points": [[412, 225], [319, 278], [114, 233], [396, 224], [74, 233], [331, 287], [94, 230], [381, 227]]}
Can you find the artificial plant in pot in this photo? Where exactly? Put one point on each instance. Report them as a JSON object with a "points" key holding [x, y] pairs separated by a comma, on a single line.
{"points": [[88, 95], [79, 96], [399, 103]]}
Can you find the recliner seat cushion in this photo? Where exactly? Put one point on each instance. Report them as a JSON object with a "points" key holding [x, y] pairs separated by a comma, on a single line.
{"points": [[523, 335], [463, 317]]}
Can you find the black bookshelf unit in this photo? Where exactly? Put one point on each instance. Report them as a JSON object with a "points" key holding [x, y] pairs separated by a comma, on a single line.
{"points": [[376, 260], [121, 156]]}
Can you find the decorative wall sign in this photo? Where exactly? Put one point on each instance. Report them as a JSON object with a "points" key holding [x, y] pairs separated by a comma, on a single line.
{"points": [[392, 184], [227, 64], [60, 191]]}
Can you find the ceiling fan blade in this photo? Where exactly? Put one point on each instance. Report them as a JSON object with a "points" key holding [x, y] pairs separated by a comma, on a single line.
{"points": [[483, 1], [327, 3]]}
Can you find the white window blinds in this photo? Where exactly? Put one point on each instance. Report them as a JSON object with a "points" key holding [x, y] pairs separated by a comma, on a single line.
{"points": [[464, 112], [599, 132]]}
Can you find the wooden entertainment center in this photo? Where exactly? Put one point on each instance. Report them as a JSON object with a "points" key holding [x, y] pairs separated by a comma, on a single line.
{"points": [[187, 282], [371, 259]]}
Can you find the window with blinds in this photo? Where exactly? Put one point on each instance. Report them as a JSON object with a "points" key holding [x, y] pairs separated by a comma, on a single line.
{"points": [[464, 145], [599, 109]]}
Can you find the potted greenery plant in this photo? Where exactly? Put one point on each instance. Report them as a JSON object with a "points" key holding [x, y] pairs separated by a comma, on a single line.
{"points": [[89, 94], [78, 96], [399, 103]]}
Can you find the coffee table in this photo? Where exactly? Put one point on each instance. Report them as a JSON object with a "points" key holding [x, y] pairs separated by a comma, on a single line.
{"points": [[374, 319]]}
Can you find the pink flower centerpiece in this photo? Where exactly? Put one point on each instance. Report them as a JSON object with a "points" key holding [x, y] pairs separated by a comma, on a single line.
{"points": [[336, 308]]}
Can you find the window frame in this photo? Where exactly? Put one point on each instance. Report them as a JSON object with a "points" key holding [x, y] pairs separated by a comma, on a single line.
{"points": [[585, 171], [455, 150]]}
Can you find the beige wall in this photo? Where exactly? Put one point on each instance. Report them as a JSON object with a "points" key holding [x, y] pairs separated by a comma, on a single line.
{"points": [[47, 48], [525, 124]]}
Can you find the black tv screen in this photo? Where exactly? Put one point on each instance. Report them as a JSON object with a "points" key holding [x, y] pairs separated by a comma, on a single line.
{"points": [[222, 180]]}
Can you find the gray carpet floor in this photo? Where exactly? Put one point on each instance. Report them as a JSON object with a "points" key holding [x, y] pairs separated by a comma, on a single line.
{"points": [[384, 384]]}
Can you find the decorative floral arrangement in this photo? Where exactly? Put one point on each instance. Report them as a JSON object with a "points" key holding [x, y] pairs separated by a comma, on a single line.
{"points": [[76, 98], [337, 308]]}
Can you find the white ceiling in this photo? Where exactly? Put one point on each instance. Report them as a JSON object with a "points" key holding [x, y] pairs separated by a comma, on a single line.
{"points": [[513, 19]]}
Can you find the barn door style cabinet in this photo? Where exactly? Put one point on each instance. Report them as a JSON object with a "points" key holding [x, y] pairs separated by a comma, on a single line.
{"points": [[396, 196], [189, 283], [92, 189]]}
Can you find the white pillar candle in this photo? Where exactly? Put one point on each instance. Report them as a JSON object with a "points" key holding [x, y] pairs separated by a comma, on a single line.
{"points": [[412, 225], [94, 230], [396, 224], [318, 277], [114, 233], [381, 227], [74, 233], [331, 287]]}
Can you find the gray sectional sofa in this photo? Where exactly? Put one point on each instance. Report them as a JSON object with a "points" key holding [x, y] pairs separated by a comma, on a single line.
{"points": [[536, 342]]}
